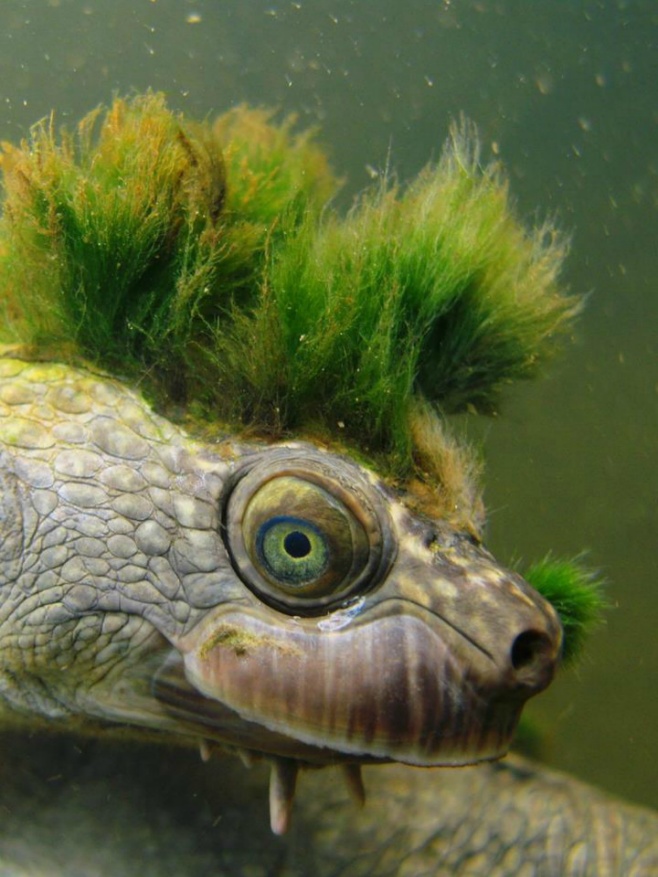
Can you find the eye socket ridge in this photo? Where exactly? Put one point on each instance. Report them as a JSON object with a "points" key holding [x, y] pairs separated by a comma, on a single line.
{"points": [[304, 535]]}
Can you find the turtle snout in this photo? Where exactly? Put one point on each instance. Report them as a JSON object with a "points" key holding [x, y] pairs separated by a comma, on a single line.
{"points": [[533, 657]]}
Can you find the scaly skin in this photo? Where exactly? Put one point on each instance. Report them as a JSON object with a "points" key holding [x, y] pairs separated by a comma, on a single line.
{"points": [[121, 608]]}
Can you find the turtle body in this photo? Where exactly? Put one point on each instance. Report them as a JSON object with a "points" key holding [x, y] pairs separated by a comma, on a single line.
{"points": [[277, 599], [129, 612], [234, 516]]}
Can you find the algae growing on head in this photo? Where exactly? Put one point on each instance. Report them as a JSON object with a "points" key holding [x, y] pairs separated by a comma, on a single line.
{"points": [[576, 593], [156, 245], [207, 263]]}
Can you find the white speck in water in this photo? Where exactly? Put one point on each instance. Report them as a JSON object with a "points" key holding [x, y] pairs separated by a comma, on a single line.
{"points": [[544, 83]]}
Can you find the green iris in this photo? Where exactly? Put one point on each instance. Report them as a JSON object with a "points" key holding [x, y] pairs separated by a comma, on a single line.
{"points": [[293, 550]]}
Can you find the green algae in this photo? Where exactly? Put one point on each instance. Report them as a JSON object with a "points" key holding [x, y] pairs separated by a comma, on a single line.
{"points": [[119, 243], [206, 261], [576, 593]]}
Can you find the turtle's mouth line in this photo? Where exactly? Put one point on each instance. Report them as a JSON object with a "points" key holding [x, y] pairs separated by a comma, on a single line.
{"points": [[164, 695], [399, 687], [433, 615], [395, 681]]}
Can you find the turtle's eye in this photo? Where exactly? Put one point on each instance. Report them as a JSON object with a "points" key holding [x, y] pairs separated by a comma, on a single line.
{"points": [[293, 551], [300, 540]]}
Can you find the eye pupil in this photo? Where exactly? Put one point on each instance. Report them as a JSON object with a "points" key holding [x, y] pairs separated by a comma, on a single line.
{"points": [[297, 544]]}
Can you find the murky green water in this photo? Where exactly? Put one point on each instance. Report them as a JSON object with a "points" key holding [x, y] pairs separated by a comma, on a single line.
{"points": [[566, 94]]}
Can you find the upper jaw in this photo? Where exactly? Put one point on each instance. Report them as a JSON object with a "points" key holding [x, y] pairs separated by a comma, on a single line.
{"points": [[431, 668]]}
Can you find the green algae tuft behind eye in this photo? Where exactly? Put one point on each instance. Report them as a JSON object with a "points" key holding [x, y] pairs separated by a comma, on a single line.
{"points": [[576, 594], [220, 277]]}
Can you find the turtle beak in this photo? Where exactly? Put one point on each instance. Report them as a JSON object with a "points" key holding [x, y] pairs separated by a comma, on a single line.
{"points": [[432, 667]]}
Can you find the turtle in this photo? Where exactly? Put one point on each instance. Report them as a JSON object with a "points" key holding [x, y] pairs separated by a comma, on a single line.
{"points": [[235, 515]]}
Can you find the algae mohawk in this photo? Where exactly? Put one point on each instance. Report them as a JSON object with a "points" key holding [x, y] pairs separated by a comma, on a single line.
{"points": [[206, 263], [209, 263]]}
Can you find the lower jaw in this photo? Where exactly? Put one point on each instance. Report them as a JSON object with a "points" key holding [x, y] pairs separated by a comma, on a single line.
{"points": [[195, 715]]}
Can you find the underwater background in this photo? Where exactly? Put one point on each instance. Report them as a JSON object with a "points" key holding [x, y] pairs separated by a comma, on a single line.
{"points": [[566, 94]]}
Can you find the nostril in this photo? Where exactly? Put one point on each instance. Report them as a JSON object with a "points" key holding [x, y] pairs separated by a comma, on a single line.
{"points": [[531, 657]]}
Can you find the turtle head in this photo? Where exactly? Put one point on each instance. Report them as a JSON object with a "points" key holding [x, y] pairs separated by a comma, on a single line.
{"points": [[362, 630], [275, 599], [313, 587]]}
